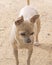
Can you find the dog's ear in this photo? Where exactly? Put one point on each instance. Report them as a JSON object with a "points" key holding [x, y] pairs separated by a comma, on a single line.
{"points": [[19, 20], [34, 18]]}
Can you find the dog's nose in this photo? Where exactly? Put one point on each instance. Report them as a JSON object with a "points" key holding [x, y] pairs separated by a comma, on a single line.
{"points": [[28, 41]]}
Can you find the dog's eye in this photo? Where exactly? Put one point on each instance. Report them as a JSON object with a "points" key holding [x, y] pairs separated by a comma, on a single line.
{"points": [[32, 33], [23, 34]]}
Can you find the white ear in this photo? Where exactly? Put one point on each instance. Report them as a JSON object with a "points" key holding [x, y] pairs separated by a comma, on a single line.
{"points": [[33, 19], [19, 20]]}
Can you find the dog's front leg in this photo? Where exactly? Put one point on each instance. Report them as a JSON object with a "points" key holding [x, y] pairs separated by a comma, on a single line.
{"points": [[29, 55], [15, 49]]}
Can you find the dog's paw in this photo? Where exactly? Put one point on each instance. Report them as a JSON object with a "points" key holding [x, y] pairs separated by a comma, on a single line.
{"points": [[36, 43]]}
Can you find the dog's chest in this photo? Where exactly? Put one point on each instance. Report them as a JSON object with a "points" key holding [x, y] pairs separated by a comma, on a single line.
{"points": [[24, 45], [28, 12]]}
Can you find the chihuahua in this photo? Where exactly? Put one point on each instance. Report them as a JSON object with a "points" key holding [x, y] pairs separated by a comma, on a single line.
{"points": [[25, 29]]}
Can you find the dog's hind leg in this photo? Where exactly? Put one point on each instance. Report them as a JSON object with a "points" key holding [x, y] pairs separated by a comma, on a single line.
{"points": [[38, 30]]}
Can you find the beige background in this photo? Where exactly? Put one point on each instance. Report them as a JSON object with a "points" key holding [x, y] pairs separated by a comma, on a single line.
{"points": [[9, 10]]}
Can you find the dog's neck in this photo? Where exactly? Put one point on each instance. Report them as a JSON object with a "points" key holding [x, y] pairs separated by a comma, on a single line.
{"points": [[17, 41]]}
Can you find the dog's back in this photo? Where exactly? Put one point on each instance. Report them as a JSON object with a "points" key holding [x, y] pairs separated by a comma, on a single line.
{"points": [[28, 12]]}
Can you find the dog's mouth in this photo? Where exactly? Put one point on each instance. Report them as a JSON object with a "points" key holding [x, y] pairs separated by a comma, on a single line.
{"points": [[28, 42]]}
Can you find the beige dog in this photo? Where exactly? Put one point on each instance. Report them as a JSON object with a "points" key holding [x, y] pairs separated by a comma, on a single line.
{"points": [[25, 28]]}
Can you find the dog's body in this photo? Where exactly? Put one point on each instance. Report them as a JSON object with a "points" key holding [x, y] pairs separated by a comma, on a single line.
{"points": [[28, 12], [25, 29]]}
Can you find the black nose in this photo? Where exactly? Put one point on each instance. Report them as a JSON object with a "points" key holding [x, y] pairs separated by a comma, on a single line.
{"points": [[28, 40]]}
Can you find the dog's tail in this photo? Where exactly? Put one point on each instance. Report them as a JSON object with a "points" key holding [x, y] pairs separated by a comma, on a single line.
{"points": [[28, 2]]}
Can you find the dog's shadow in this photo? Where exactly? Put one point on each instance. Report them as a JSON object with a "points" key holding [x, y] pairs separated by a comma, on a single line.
{"points": [[48, 48]]}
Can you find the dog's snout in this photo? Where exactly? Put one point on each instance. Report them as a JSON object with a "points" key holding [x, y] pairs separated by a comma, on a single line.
{"points": [[28, 40]]}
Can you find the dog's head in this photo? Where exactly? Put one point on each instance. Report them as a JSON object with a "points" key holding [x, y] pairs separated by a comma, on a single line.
{"points": [[25, 30]]}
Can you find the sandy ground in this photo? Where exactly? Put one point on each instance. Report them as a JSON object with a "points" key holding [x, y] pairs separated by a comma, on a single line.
{"points": [[9, 10]]}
